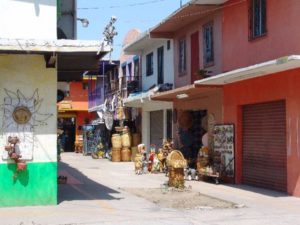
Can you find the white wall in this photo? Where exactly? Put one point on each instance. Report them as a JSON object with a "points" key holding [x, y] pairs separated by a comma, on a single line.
{"points": [[28, 19], [146, 109], [28, 73], [148, 81]]}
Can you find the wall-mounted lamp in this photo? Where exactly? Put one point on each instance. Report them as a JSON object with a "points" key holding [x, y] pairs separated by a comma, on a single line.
{"points": [[84, 22]]}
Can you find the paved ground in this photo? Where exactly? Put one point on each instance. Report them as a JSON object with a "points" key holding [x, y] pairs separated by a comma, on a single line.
{"points": [[94, 195]]}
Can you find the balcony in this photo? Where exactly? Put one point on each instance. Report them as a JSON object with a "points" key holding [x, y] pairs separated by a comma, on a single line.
{"points": [[132, 85]]}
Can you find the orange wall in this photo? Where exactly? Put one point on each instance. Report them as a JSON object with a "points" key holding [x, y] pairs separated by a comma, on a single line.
{"points": [[78, 96], [281, 86], [282, 38]]}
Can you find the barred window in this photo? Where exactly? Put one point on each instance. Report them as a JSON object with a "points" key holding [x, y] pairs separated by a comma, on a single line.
{"points": [[182, 56], [258, 18]]}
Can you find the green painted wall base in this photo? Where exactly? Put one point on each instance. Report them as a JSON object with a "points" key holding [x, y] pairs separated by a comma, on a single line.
{"points": [[35, 186]]}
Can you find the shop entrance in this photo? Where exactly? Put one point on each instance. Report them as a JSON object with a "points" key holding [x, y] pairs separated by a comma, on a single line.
{"points": [[264, 145], [66, 139], [156, 127], [191, 128]]}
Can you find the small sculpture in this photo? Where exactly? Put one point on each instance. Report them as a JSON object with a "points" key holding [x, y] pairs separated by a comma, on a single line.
{"points": [[11, 151], [138, 160], [151, 159]]}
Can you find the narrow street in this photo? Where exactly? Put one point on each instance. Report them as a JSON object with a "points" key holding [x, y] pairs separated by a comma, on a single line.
{"points": [[94, 194]]}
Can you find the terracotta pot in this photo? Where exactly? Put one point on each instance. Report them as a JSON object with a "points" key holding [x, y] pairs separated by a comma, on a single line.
{"points": [[21, 165]]}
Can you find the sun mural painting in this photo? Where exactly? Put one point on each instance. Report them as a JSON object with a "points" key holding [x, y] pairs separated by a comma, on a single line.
{"points": [[21, 115]]}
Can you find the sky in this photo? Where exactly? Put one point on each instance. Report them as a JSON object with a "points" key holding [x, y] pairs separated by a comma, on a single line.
{"points": [[140, 14]]}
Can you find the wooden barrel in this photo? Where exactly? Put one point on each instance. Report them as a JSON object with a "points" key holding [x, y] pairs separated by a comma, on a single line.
{"points": [[125, 139], [136, 139], [116, 155], [126, 154], [116, 141]]}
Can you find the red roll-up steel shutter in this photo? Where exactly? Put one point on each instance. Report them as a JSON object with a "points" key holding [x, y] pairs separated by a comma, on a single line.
{"points": [[264, 145]]}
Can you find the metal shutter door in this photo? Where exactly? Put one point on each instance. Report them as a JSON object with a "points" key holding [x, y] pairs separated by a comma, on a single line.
{"points": [[156, 127], [264, 146]]}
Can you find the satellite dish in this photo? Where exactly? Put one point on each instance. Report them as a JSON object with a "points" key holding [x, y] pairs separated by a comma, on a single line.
{"points": [[109, 120]]}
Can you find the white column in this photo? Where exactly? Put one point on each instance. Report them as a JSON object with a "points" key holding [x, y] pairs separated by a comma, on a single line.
{"points": [[146, 128]]}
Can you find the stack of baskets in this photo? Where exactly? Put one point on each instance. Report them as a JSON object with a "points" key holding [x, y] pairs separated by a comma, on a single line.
{"points": [[136, 140], [126, 143], [121, 146], [116, 141]]}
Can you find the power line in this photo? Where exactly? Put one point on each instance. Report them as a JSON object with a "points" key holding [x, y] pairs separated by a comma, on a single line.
{"points": [[121, 6]]}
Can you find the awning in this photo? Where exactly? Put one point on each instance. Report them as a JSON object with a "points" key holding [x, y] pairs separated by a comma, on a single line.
{"points": [[258, 70], [144, 100], [187, 92], [187, 14], [136, 100]]}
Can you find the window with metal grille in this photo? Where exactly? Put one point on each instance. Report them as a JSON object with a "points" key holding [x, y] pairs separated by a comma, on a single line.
{"points": [[208, 48], [182, 57], [258, 18], [149, 64]]}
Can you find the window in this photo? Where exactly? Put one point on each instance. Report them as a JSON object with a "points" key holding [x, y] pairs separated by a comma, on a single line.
{"points": [[258, 18], [129, 70], [149, 64], [168, 45], [182, 56], [208, 48], [136, 68]]}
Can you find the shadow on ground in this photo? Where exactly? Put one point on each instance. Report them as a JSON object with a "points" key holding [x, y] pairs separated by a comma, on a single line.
{"points": [[80, 187], [259, 190]]}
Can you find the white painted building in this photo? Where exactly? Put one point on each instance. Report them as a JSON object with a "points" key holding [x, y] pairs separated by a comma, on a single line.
{"points": [[157, 68], [29, 70]]}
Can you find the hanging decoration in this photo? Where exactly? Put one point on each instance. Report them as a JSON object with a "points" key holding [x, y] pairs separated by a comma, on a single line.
{"points": [[109, 120]]}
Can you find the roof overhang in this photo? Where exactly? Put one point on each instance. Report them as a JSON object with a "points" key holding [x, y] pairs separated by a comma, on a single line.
{"points": [[187, 14], [140, 43], [258, 70], [188, 92], [52, 46], [71, 57]]}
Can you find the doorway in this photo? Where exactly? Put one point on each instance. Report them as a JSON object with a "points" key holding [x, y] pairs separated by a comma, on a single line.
{"points": [[68, 132]]}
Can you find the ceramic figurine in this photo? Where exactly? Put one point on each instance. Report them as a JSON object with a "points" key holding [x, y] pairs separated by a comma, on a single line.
{"points": [[150, 160]]}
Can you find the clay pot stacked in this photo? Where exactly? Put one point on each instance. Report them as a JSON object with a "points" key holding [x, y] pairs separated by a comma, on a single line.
{"points": [[126, 143], [116, 141]]}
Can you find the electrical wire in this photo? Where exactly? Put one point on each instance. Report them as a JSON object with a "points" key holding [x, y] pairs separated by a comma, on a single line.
{"points": [[121, 6]]}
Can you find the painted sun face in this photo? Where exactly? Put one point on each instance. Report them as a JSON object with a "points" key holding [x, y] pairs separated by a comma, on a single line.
{"points": [[21, 116], [21, 113]]}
